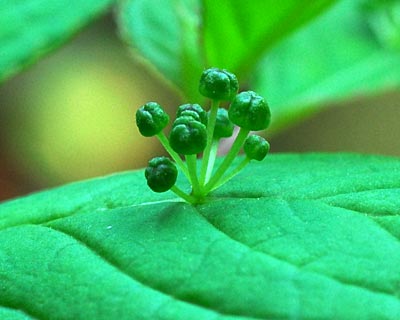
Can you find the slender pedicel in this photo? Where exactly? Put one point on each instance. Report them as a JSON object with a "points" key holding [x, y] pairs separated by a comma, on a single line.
{"points": [[218, 85], [223, 129], [256, 148]]}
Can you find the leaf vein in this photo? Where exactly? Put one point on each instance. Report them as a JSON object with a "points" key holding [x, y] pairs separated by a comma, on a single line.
{"points": [[326, 197], [145, 283], [370, 217], [299, 268]]}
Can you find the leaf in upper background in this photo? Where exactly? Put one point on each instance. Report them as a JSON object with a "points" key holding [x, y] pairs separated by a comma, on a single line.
{"points": [[182, 37], [295, 237], [340, 55], [384, 19], [237, 33], [166, 33], [31, 28]]}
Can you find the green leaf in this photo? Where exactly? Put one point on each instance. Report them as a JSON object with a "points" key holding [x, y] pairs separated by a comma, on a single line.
{"points": [[181, 37], [312, 236], [384, 19], [336, 57], [166, 33], [31, 28], [237, 34]]}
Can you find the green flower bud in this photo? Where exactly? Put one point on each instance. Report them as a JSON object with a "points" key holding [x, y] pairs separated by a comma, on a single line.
{"points": [[151, 119], [161, 174], [188, 136], [183, 111], [218, 84], [250, 111], [189, 113], [183, 120], [256, 147], [223, 126]]}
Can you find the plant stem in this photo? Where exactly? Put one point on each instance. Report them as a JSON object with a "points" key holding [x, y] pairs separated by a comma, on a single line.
{"points": [[212, 119], [188, 198], [232, 174], [164, 141], [191, 161], [212, 157], [236, 146]]}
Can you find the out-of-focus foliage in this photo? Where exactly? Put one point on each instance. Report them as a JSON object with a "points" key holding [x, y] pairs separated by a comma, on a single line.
{"points": [[349, 50], [338, 56], [182, 37], [72, 116], [384, 19], [31, 28]]}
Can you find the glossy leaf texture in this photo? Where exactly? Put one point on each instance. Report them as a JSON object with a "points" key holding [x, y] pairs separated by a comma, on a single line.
{"points": [[313, 236], [31, 28], [182, 37], [351, 50]]}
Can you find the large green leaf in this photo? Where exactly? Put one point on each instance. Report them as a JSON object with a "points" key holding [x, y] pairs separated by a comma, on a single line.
{"points": [[295, 237], [181, 37], [31, 28], [341, 54]]}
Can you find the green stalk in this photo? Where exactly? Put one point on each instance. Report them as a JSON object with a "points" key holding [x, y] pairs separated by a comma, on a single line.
{"points": [[233, 152], [212, 157], [188, 198], [210, 133], [191, 161], [239, 168], [179, 162]]}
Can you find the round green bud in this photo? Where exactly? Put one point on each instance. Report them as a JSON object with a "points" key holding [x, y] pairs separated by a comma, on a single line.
{"points": [[183, 120], [250, 111], [218, 84], [256, 147], [161, 174], [188, 136], [190, 113], [223, 126], [151, 119], [202, 114]]}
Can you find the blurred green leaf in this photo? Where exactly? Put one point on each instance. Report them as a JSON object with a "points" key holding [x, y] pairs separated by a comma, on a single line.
{"points": [[237, 33], [335, 57], [384, 18], [181, 37], [166, 33], [295, 237], [31, 28]]}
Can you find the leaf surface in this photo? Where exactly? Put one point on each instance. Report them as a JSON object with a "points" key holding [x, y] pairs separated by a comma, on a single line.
{"points": [[182, 37], [337, 56], [31, 28], [311, 236]]}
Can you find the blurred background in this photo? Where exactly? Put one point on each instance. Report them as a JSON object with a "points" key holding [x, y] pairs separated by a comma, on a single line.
{"points": [[71, 117]]}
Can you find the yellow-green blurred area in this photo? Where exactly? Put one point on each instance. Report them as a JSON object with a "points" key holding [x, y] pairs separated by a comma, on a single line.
{"points": [[71, 116]]}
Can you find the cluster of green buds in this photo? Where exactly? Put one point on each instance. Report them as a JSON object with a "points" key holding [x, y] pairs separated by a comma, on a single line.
{"points": [[195, 132]]}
